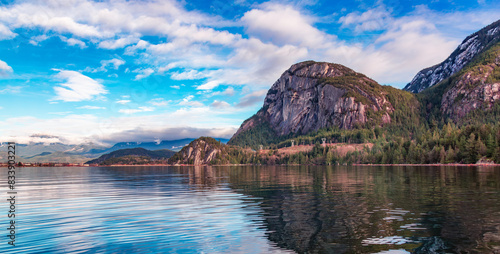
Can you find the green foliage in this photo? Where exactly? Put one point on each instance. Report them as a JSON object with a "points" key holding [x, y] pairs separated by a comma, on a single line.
{"points": [[260, 134], [356, 85], [130, 154]]}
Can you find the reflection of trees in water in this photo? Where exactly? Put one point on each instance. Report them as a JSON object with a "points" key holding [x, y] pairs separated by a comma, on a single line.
{"points": [[333, 209], [318, 209]]}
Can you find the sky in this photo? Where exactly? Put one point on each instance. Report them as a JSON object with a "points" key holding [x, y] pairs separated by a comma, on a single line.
{"points": [[80, 71]]}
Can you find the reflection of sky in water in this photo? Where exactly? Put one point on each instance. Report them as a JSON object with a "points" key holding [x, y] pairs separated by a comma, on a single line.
{"points": [[256, 209], [113, 213]]}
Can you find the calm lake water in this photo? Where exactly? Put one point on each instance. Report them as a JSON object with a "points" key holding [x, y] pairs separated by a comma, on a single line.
{"points": [[313, 209]]}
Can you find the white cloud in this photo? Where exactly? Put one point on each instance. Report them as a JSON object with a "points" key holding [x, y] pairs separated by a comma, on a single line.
{"points": [[159, 102], [219, 104], [187, 75], [208, 85], [188, 101], [123, 102], [35, 40], [6, 33], [113, 62], [76, 42], [175, 87], [229, 92], [11, 89], [371, 20], [77, 87], [91, 107], [133, 111], [283, 24], [144, 73], [5, 69], [118, 43]]}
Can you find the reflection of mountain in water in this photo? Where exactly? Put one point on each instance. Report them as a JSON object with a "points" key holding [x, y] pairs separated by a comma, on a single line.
{"points": [[354, 210]]}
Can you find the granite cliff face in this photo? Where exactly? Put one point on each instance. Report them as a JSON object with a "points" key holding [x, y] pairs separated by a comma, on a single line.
{"points": [[463, 55], [313, 95], [476, 87], [200, 151]]}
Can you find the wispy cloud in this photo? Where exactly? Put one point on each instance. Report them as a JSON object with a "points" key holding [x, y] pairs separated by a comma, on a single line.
{"points": [[123, 102], [11, 89], [91, 107], [137, 110], [77, 87]]}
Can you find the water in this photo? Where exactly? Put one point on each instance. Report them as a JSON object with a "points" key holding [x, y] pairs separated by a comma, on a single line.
{"points": [[255, 210]]}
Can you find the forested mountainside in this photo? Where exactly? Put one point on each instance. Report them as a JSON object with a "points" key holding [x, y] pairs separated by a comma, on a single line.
{"points": [[453, 121]]}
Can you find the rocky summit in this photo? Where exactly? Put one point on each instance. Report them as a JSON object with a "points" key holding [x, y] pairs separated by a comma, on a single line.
{"points": [[463, 55], [313, 95]]}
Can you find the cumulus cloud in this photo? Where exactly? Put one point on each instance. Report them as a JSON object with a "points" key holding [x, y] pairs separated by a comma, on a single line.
{"points": [[6, 33], [370, 20], [283, 24], [76, 42], [35, 40], [5, 69], [77, 87], [143, 73], [219, 104], [115, 63], [188, 101]]}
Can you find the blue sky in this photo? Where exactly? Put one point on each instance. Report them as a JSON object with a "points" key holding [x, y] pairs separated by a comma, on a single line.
{"points": [[77, 71]]}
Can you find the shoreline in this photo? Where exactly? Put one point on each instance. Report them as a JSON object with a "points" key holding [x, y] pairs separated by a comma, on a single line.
{"points": [[356, 164]]}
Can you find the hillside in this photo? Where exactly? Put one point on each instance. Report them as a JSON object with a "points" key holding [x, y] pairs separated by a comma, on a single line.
{"points": [[311, 96], [132, 156], [208, 151], [471, 46]]}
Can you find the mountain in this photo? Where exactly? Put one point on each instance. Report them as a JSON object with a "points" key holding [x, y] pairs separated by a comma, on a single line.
{"points": [[118, 156], [58, 157], [316, 110], [310, 96], [206, 150], [59, 152], [472, 91], [32, 149], [473, 45]]}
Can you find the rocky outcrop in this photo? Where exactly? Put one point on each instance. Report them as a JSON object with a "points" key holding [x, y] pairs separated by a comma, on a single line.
{"points": [[476, 87], [313, 95], [463, 55], [200, 151]]}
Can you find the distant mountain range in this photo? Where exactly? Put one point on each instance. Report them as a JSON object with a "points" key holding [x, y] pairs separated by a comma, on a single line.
{"points": [[58, 152]]}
